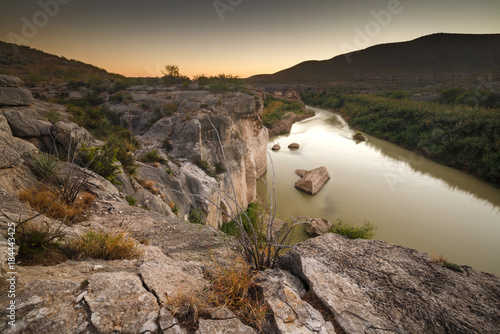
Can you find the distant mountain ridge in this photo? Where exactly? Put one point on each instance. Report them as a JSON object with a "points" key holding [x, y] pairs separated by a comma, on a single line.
{"points": [[427, 59]]}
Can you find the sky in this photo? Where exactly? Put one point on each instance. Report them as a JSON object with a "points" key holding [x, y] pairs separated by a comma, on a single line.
{"points": [[238, 37]]}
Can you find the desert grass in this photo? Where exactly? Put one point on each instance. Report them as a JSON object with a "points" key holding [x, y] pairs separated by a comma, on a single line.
{"points": [[44, 199], [98, 244]]}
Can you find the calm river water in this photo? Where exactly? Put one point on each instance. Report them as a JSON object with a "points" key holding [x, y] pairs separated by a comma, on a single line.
{"points": [[413, 201]]}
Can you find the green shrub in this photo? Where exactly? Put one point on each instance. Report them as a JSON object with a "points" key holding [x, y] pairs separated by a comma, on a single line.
{"points": [[196, 217], [219, 168], [169, 109], [101, 160], [367, 231], [166, 145], [152, 156], [45, 166], [275, 109], [450, 96], [203, 164], [121, 97], [253, 212], [131, 200]]}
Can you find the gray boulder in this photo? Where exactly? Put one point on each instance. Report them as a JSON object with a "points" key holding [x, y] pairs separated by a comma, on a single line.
{"points": [[69, 135], [12, 92], [24, 122], [312, 181], [13, 149], [8, 81], [292, 315], [317, 226], [375, 287]]}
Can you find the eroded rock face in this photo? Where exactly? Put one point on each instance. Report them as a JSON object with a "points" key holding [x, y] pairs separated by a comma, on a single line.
{"points": [[193, 132], [375, 287], [312, 181]]}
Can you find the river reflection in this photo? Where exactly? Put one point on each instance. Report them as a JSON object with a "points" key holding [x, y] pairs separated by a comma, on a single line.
{"points": [[413, 201]]}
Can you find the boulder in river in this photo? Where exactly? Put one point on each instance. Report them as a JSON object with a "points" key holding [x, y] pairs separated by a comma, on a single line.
{"points": [[312, 181], [293, 146], [276, 147]]}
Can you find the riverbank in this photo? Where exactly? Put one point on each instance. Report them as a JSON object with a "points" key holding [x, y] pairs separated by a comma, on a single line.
{"points": [[465, 138], [280, 114]]}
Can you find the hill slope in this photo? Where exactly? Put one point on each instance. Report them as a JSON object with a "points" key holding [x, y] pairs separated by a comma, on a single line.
{"points": [[36, 67], [426, 60]]}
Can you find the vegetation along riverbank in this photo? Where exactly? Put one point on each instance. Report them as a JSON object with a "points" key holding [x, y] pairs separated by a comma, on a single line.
{"points": [[451, 131]]}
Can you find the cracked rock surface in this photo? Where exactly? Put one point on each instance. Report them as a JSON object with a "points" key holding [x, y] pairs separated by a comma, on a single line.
{"points": [[375, 287], [283, 291], [119, 302]]}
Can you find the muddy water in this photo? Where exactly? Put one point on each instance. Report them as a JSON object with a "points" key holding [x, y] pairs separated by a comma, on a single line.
{"points": [[413, 201]]}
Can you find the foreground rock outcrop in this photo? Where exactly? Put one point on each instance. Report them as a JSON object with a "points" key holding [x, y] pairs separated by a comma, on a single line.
{"points": [[375, 287], [312, 181]]}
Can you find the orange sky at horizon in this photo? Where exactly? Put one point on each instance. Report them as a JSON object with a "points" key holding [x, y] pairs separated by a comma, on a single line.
{"points": [[235, 37]]}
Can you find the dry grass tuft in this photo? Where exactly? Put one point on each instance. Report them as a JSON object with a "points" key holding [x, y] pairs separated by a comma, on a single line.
{"points": [[116, 245], [188, 307], [441, 260], [149, 185], [43, 199], [233, 287]]}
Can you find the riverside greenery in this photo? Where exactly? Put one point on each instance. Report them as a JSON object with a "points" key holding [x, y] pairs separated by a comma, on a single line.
{"points": [[275, 109], [460, 136]]}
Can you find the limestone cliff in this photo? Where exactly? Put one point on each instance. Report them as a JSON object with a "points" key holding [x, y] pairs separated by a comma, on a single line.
{"points": [[219, 129]]}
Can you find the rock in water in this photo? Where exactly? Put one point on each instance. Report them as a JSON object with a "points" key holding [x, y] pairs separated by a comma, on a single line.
{"points": [[312, 181], [300, 172], [293, 146], [276, 147], [370, 285], [317, 226]]}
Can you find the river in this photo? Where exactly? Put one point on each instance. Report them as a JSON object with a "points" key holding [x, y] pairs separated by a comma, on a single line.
{"points": [[413, 201]]}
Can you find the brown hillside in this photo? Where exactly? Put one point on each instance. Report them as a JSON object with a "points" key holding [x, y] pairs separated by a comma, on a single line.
{"points": [[432, 59]]}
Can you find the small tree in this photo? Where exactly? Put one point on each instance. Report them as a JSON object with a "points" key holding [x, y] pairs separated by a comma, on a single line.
{"points": [[171, 71]]}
